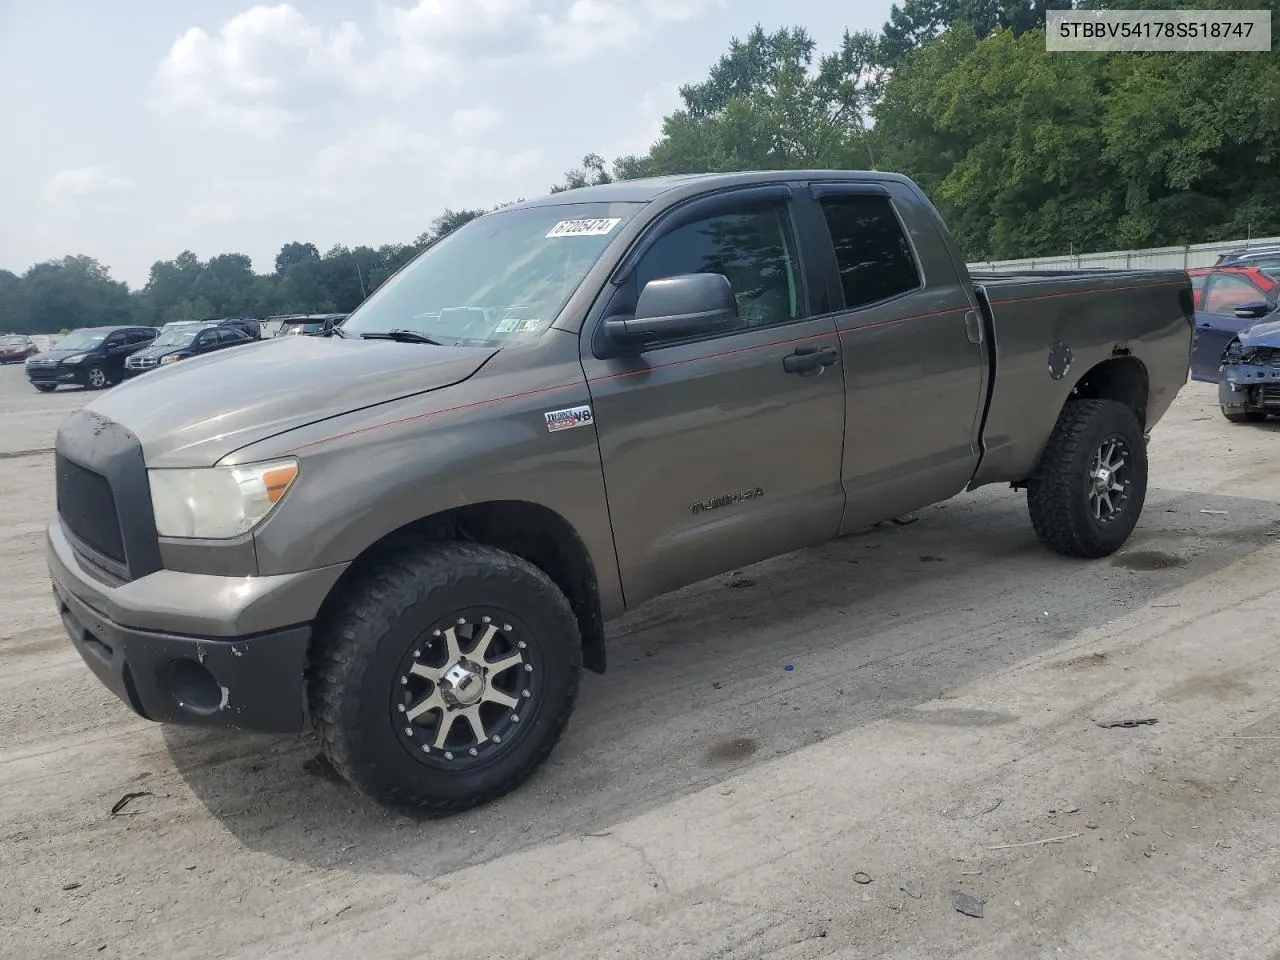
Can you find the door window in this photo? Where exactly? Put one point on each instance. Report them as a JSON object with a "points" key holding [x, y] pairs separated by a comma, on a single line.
{"points": [[872, 253], [1228, 292], [753, 246]]}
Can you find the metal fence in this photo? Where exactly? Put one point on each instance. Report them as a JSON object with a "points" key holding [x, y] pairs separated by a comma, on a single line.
{"points": [[1176, 258]]}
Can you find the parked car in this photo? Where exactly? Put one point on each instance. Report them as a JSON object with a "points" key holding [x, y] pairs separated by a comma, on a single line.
{"points": [[1218, 292], [250, 326], [16, 348], [1249, 375], [310, 325], [92, 357], [1261, 258], [409, 534], [183, 341]]}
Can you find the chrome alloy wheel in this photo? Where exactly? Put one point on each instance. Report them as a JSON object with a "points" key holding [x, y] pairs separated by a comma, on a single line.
{"points": [[97, 378], [464, 689], [1109, 480]]}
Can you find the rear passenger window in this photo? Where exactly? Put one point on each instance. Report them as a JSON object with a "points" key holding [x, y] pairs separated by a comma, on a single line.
{"points": [[872, 252]]}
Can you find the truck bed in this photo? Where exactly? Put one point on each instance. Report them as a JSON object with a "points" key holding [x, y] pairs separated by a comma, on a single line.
{"points": [[1047, 329]]}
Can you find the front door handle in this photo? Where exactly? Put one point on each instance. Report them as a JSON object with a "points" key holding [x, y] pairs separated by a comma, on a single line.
{"points": [[809, 360], [1205, 324]]}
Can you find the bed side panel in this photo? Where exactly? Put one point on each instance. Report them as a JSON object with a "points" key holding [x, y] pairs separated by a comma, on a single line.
{"points": [[1097, 316]]}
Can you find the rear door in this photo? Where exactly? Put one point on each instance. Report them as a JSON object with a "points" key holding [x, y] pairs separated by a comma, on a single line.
{"points": [[1216, 322], [715, 455], [915, 365]]}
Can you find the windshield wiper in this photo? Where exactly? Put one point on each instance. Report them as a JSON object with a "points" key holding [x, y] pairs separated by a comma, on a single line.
{"points": [[336, 331], [402, 336]]}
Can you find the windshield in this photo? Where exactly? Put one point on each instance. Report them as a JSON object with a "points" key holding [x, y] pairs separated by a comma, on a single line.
{"points": [[80, 340], [177, 337], [12, 341], [501, 277]]}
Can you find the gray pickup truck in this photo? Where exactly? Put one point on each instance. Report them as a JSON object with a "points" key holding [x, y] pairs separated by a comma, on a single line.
{"points": [[409, 534]]}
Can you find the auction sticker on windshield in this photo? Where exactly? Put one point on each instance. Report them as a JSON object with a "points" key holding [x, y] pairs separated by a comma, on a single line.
{"points": [[583, 228]]}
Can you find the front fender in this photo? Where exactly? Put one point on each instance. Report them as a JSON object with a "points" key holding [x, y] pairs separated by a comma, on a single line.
{"points": [[368, 473]]}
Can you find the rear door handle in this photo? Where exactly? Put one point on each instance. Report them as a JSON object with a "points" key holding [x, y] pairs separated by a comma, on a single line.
{"points": [[809, 360]]}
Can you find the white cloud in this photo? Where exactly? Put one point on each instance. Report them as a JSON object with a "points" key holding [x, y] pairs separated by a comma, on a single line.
{"points": [[383, 166], [589, 28], [259, 72], [270, 66], [473, 121], [67, 186], [682, 11]]}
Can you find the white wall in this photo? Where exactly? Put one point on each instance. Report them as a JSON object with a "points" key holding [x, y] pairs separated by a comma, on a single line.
{"points": [[1177, 258]]}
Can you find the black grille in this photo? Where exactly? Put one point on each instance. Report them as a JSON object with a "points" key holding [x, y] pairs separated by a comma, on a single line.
{"points": [[88, 509]]}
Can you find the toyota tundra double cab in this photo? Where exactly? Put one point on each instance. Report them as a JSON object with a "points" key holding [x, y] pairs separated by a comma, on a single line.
{"points": [[408, 534]]}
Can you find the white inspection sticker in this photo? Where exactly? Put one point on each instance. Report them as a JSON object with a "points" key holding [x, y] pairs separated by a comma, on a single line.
{"points": [[583, 228], [567, 419]]}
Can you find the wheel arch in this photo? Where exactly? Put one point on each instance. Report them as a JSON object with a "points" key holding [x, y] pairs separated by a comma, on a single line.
{"points": [[1122, 378], [534, 532]]}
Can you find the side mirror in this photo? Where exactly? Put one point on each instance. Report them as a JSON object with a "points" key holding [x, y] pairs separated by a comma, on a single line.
{"points": [[686, 305], [1253, 311]]}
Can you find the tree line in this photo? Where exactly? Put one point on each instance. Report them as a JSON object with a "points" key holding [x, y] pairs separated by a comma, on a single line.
{"points": [[1025, 153]]}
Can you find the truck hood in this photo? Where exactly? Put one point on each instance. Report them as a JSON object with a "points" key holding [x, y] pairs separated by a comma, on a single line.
{"points": [[1266, 334], [195, 412]]}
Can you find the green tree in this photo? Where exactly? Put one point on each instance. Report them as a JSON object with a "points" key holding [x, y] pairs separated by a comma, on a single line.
{"points": [[75, 291], [769, 103]]}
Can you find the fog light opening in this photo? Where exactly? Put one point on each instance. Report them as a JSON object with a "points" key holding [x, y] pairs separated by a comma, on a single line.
{"points": [[193, 687]]}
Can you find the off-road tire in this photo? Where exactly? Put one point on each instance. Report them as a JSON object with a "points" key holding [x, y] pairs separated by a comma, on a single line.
{"points": [[380, 615], [1244, 416], [45, 387], [1058, 492]]}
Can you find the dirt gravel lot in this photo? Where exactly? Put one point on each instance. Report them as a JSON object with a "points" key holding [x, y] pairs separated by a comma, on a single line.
{"points": [[939, 721]]}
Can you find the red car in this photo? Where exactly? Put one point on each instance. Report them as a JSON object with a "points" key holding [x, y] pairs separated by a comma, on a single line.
{"points": [[15, 348], [1218, 291]]}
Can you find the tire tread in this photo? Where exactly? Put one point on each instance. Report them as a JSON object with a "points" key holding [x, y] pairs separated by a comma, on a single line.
{"points": [[1051, 492], [346, 644]]}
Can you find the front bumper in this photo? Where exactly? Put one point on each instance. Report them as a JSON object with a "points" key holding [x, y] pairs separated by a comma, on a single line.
{"points": [[194, 649], [1248, 386], [59, 374]]}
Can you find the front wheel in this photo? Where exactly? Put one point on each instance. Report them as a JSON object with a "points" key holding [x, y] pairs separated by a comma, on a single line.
{"points": [[444, 677], [95, 378], [45, 387], [1088, 490]]}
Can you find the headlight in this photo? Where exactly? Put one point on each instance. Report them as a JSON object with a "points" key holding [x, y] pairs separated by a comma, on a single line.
{"points": [[169, 358], [217, 503], [76, 359]]}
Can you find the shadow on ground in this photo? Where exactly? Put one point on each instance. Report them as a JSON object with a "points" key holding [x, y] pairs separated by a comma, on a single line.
{"points": [[873, 625]]}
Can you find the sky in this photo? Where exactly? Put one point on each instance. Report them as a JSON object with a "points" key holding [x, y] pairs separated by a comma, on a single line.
{"points": [[136, 129]]}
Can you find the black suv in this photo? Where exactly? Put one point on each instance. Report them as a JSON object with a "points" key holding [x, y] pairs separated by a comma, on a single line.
{"points": [[184, 340], [92, 357], [249, 325]]}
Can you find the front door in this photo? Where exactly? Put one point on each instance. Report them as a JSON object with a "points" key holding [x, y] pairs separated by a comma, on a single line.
{"points": [[1217, 323], [718, 452], [114, 353]]}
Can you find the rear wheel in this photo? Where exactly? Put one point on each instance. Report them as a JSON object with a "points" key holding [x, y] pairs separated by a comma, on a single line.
{"points": [[445, 677], [1089, 488], [1237, 415]]}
